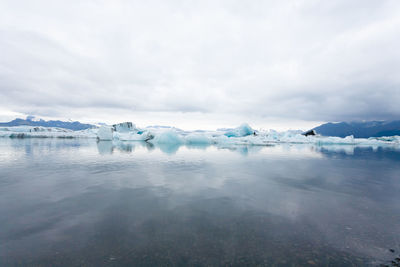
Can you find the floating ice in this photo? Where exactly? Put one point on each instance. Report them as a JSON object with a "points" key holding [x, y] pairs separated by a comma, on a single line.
{"points": [[125, 127], [198, 139], [105, 133], [242, 135], [133, 136], [242, 130], [167, 137]]}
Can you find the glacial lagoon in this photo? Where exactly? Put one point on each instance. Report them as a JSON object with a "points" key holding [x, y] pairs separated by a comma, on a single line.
{"points": [[78, 202]]}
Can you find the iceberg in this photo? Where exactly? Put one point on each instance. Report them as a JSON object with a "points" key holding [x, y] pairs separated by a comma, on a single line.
{"points": [[168, 137], [125, 127], [133, 136], [105, 133], [198, 139], [127, 131], [242, 135], [242, 130]]}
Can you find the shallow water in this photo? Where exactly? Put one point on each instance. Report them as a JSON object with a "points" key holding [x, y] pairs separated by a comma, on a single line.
{"points": [[78, 202]]}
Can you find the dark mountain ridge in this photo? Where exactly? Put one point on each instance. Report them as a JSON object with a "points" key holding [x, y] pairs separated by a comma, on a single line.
{"points": [[360, 129], [75, 125]]}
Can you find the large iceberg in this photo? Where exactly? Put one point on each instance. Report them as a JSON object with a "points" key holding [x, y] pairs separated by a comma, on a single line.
{"points": [[168, 137], [127, 131], [125, 127], [242, 130], [198, 139], [105, 133]]}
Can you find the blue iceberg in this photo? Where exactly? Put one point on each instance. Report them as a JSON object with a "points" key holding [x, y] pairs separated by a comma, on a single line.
{"points": [[242, 130]]}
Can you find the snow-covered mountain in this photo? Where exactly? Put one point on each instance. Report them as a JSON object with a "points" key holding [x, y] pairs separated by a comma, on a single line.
{"points": [[360, 129], [31, 121]]}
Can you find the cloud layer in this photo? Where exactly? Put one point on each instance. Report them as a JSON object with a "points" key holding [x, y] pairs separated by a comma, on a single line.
{"points": [[176, 60]]}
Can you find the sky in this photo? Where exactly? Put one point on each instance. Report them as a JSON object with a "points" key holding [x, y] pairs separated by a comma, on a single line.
{"points": [[201, 64]]}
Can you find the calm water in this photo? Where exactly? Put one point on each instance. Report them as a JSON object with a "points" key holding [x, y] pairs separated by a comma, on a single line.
{"points": [[78, 202]]}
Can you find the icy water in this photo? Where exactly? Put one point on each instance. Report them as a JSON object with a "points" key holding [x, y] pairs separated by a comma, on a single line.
{"points": [[83, 203]]}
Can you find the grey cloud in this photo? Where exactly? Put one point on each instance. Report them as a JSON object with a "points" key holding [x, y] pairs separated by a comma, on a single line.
{"points": [[305, 60]]}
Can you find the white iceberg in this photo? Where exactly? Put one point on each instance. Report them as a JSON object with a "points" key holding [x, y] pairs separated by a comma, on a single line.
{"points": [[198, 139], [125, 127], [105, 133], [133, 136]]}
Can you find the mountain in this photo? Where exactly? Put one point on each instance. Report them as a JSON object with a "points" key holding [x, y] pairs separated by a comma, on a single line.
{"points": [[76, 125], [360, 129]]}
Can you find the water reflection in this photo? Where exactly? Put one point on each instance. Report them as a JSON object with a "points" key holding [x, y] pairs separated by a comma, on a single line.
{"points": [[71, 202], [105, 147], [108, 147]]}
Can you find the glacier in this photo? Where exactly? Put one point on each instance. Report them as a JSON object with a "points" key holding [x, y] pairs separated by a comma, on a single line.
{"points": [[242, 135], [45, 132]]}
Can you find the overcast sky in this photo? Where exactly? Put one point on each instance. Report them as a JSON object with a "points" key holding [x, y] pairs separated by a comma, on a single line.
{"points": [[201, 64]]}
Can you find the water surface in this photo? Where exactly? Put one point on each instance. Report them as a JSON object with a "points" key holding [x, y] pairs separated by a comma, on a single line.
{"points": [[79, 202]]}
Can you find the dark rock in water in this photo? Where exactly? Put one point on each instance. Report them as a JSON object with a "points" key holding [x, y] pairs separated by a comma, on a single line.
{"points": [[310, 132], [393, 263], [17, 135], [149, 137]]}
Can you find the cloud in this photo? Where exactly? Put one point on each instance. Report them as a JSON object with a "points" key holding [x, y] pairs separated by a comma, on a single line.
{"points": [[298, 60]]}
